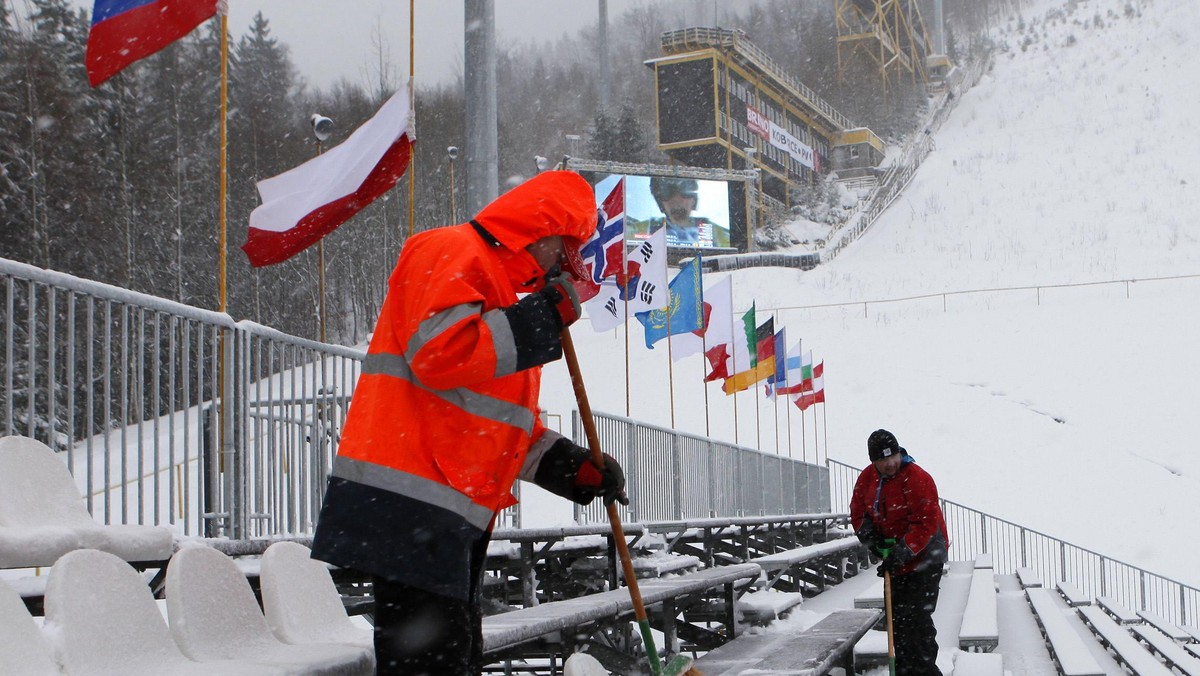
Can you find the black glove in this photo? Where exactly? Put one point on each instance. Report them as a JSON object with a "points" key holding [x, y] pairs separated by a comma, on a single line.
{"points": [[567, 470], [560, 292], [895, 558], [608, 482]]}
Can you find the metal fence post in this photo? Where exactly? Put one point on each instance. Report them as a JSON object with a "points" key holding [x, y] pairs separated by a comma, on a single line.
{"points": [[1024, 560], [677, 476], [712, 479], [1142, 584], [632, 470]]}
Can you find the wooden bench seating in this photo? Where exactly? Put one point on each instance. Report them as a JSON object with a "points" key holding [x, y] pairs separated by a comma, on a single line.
{"points": [[513, 628], [1162, 624], [1066, 647], [809, 569], [1117, 610], [1124, 648], [980, 631], [1166, 648], [826, 644], [1028, 577], [725, 540], [978, 664], [1074, 597]]}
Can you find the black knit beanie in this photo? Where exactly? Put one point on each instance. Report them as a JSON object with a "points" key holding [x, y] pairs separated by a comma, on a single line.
{"points": [[882, 444]]}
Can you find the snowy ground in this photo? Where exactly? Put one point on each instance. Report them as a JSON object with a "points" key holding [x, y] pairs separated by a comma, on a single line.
{"points": [[1067, 410]]}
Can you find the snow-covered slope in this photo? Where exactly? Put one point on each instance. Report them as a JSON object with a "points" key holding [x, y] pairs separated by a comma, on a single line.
{"points": [[1069, 410]]}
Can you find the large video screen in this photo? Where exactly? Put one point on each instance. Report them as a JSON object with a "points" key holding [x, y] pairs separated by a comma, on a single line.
{"points": [[696, 213]]}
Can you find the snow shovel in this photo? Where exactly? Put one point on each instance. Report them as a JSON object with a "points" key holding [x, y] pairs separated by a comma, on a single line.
{"points": [[681, 665], [887, 603]]}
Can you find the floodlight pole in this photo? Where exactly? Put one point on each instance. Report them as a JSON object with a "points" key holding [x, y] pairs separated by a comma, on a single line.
{"points": [[452, 153], [322, 127]]}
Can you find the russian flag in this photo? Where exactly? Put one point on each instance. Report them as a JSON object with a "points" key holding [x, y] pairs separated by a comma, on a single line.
{"points": [[302, 205], [124, 31]]}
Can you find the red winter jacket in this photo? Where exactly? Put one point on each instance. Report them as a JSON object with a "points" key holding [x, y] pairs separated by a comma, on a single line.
{"points": [[904, 507]]}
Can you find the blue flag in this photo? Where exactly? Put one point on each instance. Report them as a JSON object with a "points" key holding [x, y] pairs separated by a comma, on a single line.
{"points": [[686, 310]]}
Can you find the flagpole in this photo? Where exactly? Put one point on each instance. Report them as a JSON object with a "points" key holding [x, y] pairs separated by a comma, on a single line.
{"points": [[775, 399], [703, 381], [222, 161], [321, 267], [788, 398], [816, 436], [225, 427], [670, 361], [826, 426], [624, 290], [412, 101], [733, 361], [757, 420], [803, 433]]}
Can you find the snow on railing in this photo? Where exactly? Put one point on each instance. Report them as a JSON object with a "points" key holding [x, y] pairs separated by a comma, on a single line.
{"points": [[1013, 546]]}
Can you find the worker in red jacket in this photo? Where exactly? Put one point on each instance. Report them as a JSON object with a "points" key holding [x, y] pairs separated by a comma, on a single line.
{"points": [[895, 512], [445, 419]]}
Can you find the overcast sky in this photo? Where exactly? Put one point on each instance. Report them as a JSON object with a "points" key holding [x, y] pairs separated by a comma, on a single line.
{"points": [[331, 40]]}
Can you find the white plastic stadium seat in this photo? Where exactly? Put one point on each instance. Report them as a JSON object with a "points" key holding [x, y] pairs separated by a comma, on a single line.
{"points": [[23, 649], [214, 616], [103, 619], [300, 601], [42, 514]]}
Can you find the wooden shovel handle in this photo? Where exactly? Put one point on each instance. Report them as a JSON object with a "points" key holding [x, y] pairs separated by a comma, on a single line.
{"points": [[593, 438]]}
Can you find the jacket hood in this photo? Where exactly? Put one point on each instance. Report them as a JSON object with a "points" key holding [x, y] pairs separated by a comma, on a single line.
{"points": [[551, 203]]}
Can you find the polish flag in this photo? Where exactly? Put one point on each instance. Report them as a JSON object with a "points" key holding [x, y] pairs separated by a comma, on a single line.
{"points": [[302, 205]]}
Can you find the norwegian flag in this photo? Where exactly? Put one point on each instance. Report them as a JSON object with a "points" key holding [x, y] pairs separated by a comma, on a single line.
{"points": [[602, 254]]}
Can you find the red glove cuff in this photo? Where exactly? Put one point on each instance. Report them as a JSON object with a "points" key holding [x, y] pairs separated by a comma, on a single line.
{"points": [[588, 475]]}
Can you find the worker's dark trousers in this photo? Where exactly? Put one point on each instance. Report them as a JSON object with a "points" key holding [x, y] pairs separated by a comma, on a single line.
{"points": [[914, 597], [418, 633]]}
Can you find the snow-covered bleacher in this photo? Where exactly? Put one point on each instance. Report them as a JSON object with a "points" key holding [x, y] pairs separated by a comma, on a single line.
{"points": [[42, 514], [102, 618], [980, 631]]}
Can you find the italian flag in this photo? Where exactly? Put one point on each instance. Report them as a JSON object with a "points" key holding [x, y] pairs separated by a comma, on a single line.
{"points": [[816, 392]]}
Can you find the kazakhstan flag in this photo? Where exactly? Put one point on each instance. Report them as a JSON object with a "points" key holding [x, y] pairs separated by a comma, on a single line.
{"points": [[685, 313]]}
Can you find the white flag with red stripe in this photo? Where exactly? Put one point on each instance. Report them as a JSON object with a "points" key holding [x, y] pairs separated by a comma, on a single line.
{"points": [[302, 205]]}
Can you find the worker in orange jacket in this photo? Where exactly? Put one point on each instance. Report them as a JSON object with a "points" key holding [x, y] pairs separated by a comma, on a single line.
{"points": [[444, 419]]}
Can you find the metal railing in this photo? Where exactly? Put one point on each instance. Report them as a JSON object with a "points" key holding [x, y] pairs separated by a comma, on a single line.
{"points": [[127, 388], [676, 41], [671, 475], [1012, 546]]}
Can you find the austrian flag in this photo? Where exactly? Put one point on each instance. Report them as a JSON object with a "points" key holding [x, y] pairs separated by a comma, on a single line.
{"points": [[124, 31]]}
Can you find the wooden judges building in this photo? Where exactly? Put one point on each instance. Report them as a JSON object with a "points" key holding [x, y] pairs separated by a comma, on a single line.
{"points": [[723, 103]]}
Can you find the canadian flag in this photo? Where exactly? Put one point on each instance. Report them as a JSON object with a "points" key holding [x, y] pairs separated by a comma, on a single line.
{"points": [[302, 205]]}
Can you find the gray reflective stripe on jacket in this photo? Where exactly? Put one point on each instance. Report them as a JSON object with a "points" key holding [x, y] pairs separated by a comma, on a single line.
{"points": [[503, 344], [413, 486], [474, 403]]}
